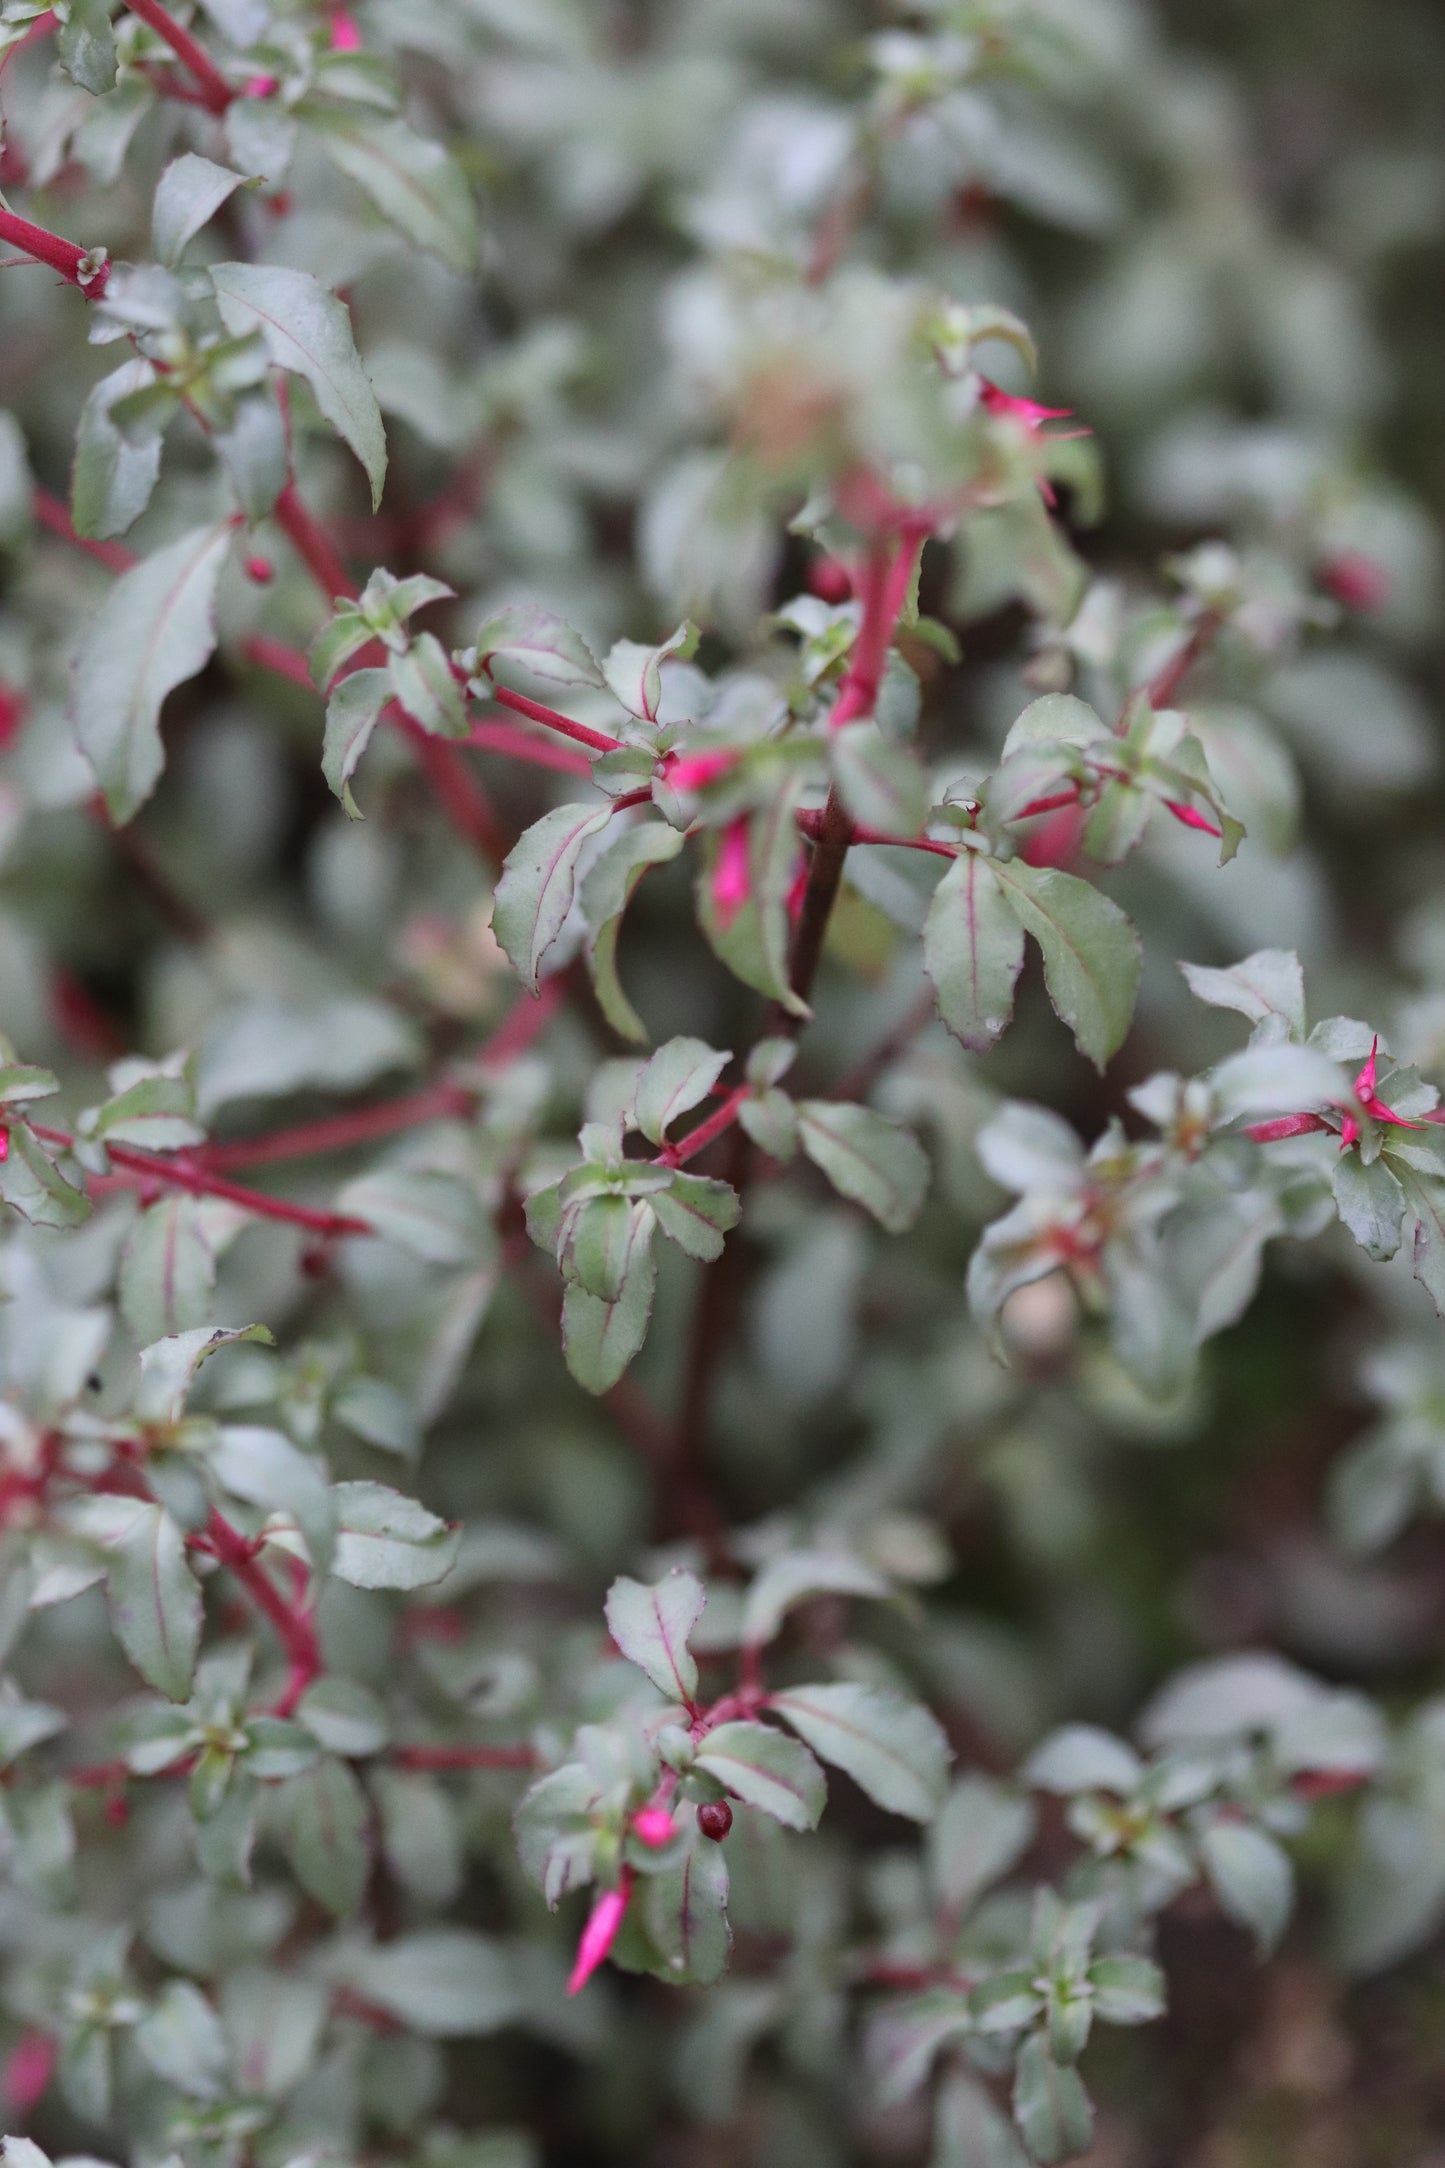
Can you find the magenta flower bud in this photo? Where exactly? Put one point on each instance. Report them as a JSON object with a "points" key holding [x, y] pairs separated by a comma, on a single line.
{"points": [[599, 1934], [732, 876], [345, 35], [261, 86], [654, 1826], [694, 771], [1355, 580]]}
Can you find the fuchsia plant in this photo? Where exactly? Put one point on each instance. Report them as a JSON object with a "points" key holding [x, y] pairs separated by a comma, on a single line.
{"points": [[556, 1387]]}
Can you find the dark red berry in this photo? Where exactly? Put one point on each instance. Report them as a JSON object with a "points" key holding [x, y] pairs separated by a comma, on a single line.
{"points": [[715, 1819]]}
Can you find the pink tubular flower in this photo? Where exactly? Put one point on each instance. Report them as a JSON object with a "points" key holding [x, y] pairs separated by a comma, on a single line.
{"points": [[600, 1933], [345, 34], [28, 2070], [1190, 818], [1032, 416], [1366, 1094], [732, 882], [261, 86], [654, 1827], [694, 771]]}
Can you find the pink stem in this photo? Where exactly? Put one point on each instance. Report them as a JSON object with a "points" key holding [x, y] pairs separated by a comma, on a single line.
{"points": [[295, 1627], [597, 739], [215, 90], [197, 1181], [49, 248], [463, 1757]]}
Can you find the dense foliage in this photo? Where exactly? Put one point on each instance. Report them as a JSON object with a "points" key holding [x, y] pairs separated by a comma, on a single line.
{"points": [[723, 1382]]}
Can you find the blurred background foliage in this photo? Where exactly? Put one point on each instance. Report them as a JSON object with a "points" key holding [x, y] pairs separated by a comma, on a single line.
{"points": [[1226, 228]]}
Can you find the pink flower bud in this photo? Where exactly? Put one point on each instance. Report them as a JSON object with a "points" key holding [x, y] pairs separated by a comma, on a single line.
{"points": [[655, 1827], [732, 875], [4, 1146], [694, 771], [830, 580], [261, 86], [28, 2070], [345, 35], [261, 570], [1190, 818], [599, 1934], [1355, 580], [12, 714]]}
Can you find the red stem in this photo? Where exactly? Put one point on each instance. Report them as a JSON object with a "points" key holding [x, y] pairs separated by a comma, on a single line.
{"points": [[597, 739], [506, 738], [186, 1174], [295, 1627], [463, 1757], [215, 91], [283, 661], [51, 513], [1287, 1125], [811, 825], [697, 1140], [49, 248], [313, 545], [342, 1132], [1163, 688]]}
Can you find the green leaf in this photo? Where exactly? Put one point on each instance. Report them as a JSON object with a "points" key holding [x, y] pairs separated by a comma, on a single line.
{"points": [[651, 1623], [880, 783], [324, 1823], [252, 448], [113, 474], [1127, 1990], [1268, 983], [155, 629], [595, 1244], [261, 1466], [168, 1268], [673, 1081], [541, 642], [308, 333], [1050, 2105], [188, 195], [534, 894], [155, 1600], [606, 889], [387, 1540], [1371, 1203], [634, 672], [1251, 1877], [168, 1366], [86, 45], [344, 1716], [412, 182], [982, 1830], [181, 2038], [893, 1749], [696, 1213], [351, 716], [685, 1912], [1082, 1758], [445, 1983], [1091, 952], [426, 687], [794, 1578], [32, 1185], [599, 1339], [768, 1770], [867, 1157], [973, 951]]}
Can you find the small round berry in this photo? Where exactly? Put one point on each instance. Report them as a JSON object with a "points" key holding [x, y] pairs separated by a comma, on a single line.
{"points": [[261, 570], [715, 1819]]}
